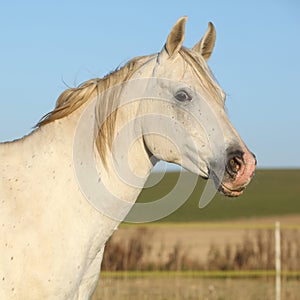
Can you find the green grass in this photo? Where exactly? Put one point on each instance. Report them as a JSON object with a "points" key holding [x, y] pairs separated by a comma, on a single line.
{"points": [[271, 193]]}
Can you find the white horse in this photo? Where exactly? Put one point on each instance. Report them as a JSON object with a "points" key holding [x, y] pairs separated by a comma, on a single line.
{"points": [[52, 236]]}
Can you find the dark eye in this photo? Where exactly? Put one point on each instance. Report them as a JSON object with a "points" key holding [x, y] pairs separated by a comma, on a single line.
{"points": [[183, 96]]}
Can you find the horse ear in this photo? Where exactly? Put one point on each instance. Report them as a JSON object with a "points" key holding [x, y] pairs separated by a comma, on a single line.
{"points": [[206, 45], [176, 37]]}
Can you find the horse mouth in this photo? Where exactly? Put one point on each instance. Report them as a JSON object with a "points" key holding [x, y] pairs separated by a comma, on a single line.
{"points": [[238, 173], [229, 192]]}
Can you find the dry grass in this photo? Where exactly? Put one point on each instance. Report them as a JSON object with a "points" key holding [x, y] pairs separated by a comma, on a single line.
{"points": [[127, 254], [257, 252], [254, 252], [133, 254], [193, 288], [137, 248]]}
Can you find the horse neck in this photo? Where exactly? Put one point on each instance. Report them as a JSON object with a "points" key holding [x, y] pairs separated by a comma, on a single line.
{"points": [[127, 166], [48, 151], [127, 162]]}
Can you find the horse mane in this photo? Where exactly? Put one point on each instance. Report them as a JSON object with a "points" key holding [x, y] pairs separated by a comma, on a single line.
{"points": [[205, 75], [73, 98]]}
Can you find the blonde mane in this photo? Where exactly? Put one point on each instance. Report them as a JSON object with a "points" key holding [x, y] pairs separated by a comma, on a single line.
{"points": [[73, 98], [206, 78]]}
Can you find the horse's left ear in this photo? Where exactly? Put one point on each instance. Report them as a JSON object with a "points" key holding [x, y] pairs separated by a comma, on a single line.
{"points": [[176, 37], [206, 45]]}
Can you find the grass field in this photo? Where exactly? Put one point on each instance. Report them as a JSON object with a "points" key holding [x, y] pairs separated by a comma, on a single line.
{"points": [[222, 246], [271, 193], [193, 288]]}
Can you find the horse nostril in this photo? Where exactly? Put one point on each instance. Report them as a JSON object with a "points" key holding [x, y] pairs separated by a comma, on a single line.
{"points": [[234, 165]]}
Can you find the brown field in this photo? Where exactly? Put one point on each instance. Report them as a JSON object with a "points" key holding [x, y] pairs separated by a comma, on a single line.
{"points": [[181, 288], [195, 241], [204, 246]]}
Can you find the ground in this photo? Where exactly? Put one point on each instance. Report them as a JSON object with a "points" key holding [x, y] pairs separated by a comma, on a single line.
{"points": [[185, 288], [195, 239]]}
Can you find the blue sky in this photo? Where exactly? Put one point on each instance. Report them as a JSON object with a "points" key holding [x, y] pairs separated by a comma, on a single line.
{"points": [[256, 59]]}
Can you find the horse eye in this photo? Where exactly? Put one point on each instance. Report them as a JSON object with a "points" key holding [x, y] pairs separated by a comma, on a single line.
{"points": [[183, 96]]}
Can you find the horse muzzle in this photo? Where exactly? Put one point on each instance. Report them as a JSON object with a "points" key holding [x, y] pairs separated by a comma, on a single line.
{"points": [[239, 171]]}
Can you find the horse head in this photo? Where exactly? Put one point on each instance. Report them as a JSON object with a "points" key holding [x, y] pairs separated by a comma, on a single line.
{"points": [[190, 126]]}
